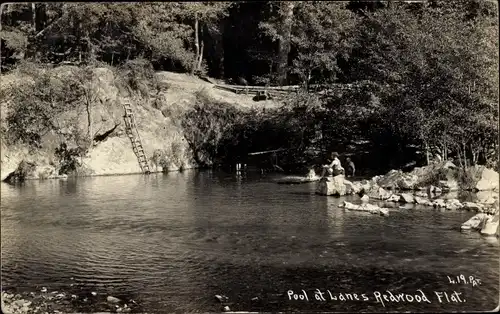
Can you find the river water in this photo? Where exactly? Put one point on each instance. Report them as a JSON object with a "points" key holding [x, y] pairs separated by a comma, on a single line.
{"points": [[173, 241]]}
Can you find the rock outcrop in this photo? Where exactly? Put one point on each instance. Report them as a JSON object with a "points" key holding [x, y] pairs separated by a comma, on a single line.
{"points": [[486, 224], [439, 177], [157, 119], [476, 222], [491, 226], [378, 193], [488, 179], [336, 186]]}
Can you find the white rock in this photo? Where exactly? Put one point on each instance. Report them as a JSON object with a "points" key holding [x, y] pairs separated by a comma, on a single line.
{"points": [[112, 299], [394, 198], [489, 180], [365, 198], [406, 198]]}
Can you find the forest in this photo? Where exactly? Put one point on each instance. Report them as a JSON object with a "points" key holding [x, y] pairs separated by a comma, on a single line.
{"points": [[421, 77]]}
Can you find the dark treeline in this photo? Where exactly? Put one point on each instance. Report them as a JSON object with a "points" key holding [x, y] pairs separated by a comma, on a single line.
{"points": [[425, 74]]}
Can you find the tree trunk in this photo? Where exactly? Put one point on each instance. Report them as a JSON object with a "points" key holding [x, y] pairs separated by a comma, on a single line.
{"points": [[89, 121], [200, 60], [445, 151], [196, 43], [459, 154], [284, 42], [1, 13], [465, 154], [427, 153], [33, 12], [220, 49]]}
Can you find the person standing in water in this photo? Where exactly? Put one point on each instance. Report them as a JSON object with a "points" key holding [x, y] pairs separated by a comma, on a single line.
{"points": [[351, 169], [334, 168]]}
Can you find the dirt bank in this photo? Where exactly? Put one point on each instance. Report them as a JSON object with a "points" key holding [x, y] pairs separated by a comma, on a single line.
{"points": [[157, 117]]}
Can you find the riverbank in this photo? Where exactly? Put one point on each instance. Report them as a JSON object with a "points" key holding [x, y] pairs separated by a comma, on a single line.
{"points": [[157, 114], [56, 302]]}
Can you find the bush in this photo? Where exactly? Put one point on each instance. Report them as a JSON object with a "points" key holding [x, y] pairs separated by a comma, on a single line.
{"points": [[36, 105], [467, 178], [68, 158], [138, 75]]}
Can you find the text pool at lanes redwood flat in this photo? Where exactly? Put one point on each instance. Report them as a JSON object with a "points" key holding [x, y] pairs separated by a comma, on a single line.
{"points": [[380, 297]]}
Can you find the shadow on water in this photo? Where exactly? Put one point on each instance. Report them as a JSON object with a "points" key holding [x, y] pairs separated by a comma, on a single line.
{"points": [[172, 241]]}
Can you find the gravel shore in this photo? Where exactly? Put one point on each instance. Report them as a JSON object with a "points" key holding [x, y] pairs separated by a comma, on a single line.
{"points": [[53, 302]]}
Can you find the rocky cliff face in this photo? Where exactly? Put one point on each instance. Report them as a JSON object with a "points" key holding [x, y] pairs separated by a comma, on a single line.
{"points": [[157, 117]]}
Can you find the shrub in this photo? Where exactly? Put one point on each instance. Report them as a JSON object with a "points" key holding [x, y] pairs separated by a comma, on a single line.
{"points": [[36, 105], [468, 177], [68, 158], [138, 75]]}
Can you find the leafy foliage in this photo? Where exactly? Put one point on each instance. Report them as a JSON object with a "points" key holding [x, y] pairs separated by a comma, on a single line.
{"points": [[423, 77]]}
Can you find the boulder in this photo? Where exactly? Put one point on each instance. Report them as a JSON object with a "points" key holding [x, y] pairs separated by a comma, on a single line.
{"points": [[365, 198], [453, 204], [488, 180], [366, 185], [377, 192], [352, 188], [473, 206], [406, 198], [350, 206], [394, 198], [336, 186], [491, 226], [408, 181], [390, 180], [25, 170], [421, 201], [366, 207], [476, 222], [486, 201]]}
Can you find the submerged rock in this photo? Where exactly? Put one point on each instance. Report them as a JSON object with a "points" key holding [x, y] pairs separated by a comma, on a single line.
{"points": [[112, 299], [221, 298], [365, 207]]}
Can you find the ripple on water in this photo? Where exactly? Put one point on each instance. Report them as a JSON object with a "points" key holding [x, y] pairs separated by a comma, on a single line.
{"points": [[174, 241]]}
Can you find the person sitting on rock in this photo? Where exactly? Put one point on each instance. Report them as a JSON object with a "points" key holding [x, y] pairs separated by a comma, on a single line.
{"points": [[334, 168], [351, 169]]}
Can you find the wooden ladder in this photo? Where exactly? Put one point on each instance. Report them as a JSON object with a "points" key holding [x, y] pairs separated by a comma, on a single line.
{"points": [[130, 127]]}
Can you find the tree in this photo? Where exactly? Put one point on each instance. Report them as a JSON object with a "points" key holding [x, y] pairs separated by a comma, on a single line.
{"points": [[311, 37], [203, 15]]}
